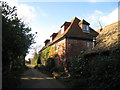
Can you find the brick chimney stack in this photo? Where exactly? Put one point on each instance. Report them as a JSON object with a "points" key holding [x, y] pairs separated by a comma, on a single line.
{"points": [[47, 41]]}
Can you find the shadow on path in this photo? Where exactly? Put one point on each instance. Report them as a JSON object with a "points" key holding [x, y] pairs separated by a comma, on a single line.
{"points": [[35, 79]]}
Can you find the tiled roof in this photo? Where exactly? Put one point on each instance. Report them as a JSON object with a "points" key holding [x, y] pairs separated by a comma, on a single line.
{"points": [[84, 22], [74, 30]]}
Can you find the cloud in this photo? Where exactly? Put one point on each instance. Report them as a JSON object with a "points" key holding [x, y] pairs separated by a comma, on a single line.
{"points": [[95, 15], [110, 18], [25, 12], [94, 18], [103, 18]]}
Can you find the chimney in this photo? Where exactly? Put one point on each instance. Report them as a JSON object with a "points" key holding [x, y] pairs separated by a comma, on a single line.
{"points": [[53, 35], [47, 41]]}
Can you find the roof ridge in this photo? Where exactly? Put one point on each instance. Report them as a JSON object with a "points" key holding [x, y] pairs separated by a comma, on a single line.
{"points": [[75, 19]]}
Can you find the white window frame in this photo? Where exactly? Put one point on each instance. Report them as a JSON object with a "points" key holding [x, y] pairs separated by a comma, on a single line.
{"points": [[85, 28]]}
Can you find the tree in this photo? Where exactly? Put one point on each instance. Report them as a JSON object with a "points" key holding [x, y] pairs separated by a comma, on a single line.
{"points": [[36, 55], [34, 59], [16, 38]]}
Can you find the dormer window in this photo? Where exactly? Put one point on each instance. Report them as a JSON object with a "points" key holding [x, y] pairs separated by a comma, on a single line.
{"points": [[85, 28], [53, 35], [65, 26]]}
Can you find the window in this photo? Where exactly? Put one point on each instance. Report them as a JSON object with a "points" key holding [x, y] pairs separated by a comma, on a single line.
{"points": [[88, 44], [56, 47], [85, 28]]}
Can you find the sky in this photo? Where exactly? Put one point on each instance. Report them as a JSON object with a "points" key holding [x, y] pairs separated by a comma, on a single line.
{"points": [[47, 17]]}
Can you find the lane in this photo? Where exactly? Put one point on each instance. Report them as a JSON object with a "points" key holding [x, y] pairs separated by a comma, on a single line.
{"points": [[35, 79]]}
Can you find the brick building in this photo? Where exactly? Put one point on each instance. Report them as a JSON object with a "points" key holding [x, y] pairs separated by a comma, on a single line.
{"points": [[73, 38]]}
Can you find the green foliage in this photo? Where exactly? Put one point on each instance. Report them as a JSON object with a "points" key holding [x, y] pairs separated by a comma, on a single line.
{"points": [[39, 60], [46, 52], [35, 58], [46, 58], [50, 65], [16, 38], [103, 72], [76, 66], [49, 68], [44, 55]]}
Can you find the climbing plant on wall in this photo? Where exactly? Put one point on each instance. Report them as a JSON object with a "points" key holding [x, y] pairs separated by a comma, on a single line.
{"points": [[44, 55], [52, 52], [49, 52]]}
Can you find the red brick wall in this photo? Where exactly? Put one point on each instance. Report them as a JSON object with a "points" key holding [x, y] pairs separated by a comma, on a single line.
{"points": [[75, 47], [70, 48], [61, 53]]}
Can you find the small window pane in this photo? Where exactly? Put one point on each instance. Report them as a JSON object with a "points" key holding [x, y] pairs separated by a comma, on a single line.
{"points": [[85, 28], [88, 44]]}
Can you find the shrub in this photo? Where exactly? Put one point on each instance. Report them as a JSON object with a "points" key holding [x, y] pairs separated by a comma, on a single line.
{"points": [[104, 72], [76, 68], [50, 65]]}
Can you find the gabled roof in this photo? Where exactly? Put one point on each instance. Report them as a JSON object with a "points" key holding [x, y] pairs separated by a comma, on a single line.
{"points": [[75, 31]]}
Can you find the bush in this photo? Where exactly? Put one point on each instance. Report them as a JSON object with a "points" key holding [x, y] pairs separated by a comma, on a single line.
{"points": [[103, 72], [76, 68], [50, 65]]}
